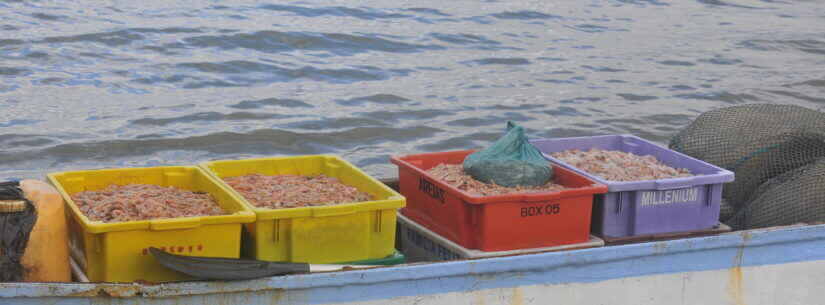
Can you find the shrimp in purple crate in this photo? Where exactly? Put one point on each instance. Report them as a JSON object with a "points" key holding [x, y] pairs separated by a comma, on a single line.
{"points": [[615, 165]]}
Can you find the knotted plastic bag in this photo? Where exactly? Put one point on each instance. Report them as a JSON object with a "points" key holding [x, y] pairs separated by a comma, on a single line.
{"points": [[510, 161]]}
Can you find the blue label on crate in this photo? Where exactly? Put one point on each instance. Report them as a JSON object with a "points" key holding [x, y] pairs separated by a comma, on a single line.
{"points": [[430, 246], [687, 195], [432, 190]]}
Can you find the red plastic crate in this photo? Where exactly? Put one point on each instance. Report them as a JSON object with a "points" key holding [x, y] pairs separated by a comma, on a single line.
{"points": [[496, 223]]}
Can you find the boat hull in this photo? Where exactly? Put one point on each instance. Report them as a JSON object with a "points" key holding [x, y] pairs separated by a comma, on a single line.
{"points": [[764, 266]]}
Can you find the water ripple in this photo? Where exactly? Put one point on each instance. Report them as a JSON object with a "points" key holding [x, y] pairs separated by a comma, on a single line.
{"points": [[644, 2], [397, 116], [276, 42], [677, 63], [431, 11], [13, 71], [812, 46], [525, 15], [211, 117], [289, 103], [112, 39], [386, 99], [241, 73], [360, 13], [16, 141], [723, 3], [636, 97], [498, 61], [464, 39], [338, 123]]}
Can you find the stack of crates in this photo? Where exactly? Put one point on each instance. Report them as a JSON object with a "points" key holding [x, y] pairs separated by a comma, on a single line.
{"points": [[353, 233], [535, 221]]}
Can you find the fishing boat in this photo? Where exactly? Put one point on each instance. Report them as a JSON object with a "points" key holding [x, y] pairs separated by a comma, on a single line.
{"points": [[777, 265]]}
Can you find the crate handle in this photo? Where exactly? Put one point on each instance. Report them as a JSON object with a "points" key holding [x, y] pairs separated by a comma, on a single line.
{"points": [[708, 194], [174, 224], [332, 168], [674, 183], [98, 243], [333, 211], [276, 233], [378, 221], [631, 141]]}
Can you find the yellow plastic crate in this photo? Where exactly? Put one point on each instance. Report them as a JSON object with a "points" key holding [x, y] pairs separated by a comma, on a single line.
{"points": [[118, 252], [321, 234]]}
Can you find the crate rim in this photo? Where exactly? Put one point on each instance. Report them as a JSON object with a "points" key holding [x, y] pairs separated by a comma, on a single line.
{"points": [[394, 201], [721, 176], [593, 189], [244, 215]]}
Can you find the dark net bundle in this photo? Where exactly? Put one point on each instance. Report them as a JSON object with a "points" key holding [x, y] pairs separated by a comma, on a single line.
{"points": [[756, 141], [725, 209], [797, 196], [15, 227]]}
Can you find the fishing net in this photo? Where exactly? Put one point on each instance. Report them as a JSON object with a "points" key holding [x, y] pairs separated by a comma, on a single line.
{"points": [[757, 142], [725, 209], [793, 197], [511, 161], [17, 218]]}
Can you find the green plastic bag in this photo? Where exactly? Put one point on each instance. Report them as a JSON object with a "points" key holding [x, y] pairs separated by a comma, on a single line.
{"points": [[510, 161]]}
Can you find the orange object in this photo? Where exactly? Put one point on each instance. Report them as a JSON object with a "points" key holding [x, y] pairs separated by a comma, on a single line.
{"points": [[46, 258], [496, 223]]}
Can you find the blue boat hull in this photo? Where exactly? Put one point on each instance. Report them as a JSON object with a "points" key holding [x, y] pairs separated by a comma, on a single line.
{"points": [[734, 268]]}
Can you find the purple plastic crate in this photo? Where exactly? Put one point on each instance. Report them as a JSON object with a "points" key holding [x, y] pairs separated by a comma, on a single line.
{"points": [[635, 208]]}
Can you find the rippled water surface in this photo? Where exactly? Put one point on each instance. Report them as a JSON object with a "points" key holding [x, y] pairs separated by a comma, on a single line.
{"points": [[140, 83]]}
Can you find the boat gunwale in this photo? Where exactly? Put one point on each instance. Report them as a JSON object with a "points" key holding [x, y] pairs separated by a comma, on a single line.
{"points": [[726, 245]]}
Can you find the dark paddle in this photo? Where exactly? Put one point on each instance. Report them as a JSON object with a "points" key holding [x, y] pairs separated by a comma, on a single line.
{"points": [[213, 268]]}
